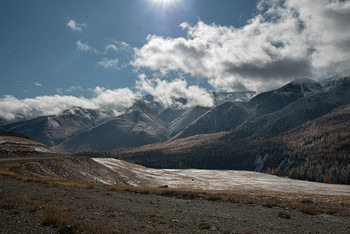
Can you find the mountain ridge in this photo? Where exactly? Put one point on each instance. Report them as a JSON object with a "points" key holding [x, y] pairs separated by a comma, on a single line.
{"points": [[230, 135]]}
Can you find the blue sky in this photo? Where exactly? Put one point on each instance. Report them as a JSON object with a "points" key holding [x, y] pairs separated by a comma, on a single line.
{"points": [[39, 51], [104, 54]]}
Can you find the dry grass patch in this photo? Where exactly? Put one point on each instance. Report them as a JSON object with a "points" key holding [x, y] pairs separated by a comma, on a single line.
{"points": [[62, 221], [284, 214], [65, 223], [12, 202]]}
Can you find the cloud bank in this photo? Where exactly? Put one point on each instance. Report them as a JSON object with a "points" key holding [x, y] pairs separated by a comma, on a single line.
{"points": [[175, 93], [287, 40], [108, 102]]}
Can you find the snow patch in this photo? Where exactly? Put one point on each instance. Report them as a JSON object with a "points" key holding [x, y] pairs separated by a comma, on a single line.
{"points": [[52, 123], [280, 165], [259, 162], [137, 175], [41, 149]]}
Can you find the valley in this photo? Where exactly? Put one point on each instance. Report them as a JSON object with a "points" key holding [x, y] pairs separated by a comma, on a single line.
{"points": [[301, 130], [61, 193], [157, 170]]}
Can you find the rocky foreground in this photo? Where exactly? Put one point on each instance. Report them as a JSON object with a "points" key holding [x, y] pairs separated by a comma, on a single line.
{"points": [[42, 207]]}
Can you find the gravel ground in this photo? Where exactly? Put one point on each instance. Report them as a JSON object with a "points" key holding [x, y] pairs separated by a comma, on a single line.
{"points": [[33, 207]]}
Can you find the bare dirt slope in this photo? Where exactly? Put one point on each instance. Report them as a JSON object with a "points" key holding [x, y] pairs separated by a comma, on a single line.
{"points": [[75, 169], [17, 147]]}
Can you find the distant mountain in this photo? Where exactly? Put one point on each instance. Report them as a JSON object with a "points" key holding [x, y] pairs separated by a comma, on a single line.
{"points": [[52, 130], [296, 113], [275, 100], [223, 117], [301, 130], [186, 119], [138, 127], [229, 115], [169, 114], [146, 122], [3, 121], [221, 97], [67, 126]]}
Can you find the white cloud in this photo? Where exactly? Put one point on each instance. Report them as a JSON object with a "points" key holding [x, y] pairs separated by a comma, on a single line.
{"points": [[109, 63], [288, 40], [84, 47], [327, 30], [75, 87], [175, 93], [117, 46], [37, 84], [74, 26], [108, 102], [122, 54], [112, 47], [70, 89]]}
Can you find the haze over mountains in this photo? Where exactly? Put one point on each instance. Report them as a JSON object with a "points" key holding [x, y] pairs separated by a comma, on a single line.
{"points": [[239, 132]]}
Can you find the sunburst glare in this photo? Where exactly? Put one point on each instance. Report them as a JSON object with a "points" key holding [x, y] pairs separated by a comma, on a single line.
{"points": [[165, 2]]}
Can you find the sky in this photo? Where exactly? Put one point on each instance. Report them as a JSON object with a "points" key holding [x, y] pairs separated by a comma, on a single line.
{"points": [[105, 54]]}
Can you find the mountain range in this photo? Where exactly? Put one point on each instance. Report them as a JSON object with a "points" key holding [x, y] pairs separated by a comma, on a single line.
{"points": [[147, 121], [277, 131]]}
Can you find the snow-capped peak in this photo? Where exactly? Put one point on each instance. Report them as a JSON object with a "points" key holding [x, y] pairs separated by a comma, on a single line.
{"points": [[77, 111]]}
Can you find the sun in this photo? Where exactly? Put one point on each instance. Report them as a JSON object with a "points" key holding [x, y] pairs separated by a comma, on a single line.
{"points": [[164, 2], [165, 6]]}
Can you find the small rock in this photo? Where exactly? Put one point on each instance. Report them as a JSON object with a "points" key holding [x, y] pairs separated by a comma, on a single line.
{"points": [[213, 228], [175, 220]]}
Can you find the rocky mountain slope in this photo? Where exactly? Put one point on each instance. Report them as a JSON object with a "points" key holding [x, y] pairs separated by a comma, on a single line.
{"points": [[147, 121], [135, 128], [260, 134], [52, 130]]}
